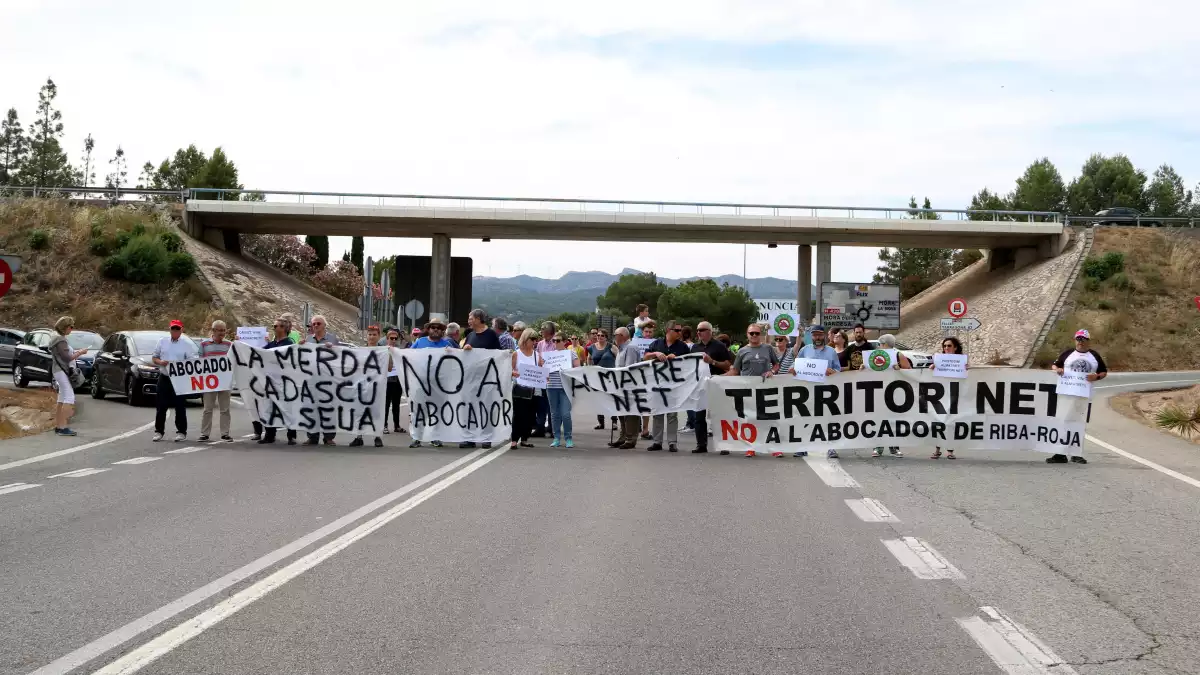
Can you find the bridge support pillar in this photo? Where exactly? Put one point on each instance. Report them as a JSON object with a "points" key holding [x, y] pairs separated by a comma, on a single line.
{"points": [[824, 263], [439, 278], [226, 240], [804, 284]]}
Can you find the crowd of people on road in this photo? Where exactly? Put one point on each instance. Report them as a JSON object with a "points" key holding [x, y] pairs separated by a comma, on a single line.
{"points": [[540, 412]]}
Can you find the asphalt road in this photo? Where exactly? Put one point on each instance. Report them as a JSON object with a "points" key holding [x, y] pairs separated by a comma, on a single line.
{"points": [[241, 558]]}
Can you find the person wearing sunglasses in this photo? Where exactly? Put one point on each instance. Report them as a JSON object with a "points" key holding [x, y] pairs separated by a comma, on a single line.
{"points": [[392, 406], [282, 337], [755, 359], [560, 403], [670, 346], [173, 348]]}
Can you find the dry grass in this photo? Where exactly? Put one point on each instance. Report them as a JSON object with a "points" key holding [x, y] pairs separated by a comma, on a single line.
{"points": [[64, 279], [1148, 407], [1154, 324]]}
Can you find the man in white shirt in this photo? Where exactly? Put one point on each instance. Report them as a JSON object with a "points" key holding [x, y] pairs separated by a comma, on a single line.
{"points": [[173, 348]]}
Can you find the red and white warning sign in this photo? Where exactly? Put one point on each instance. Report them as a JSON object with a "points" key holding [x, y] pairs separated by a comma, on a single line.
{"points": [[957, 308], [6, 277]]}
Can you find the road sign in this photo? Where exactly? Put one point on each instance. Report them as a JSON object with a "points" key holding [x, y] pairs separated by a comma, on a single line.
{"points": [[414, 308], [957, 308], [6, 277], [960, 324], [1197, 299], [14, 262], [876, 306]]}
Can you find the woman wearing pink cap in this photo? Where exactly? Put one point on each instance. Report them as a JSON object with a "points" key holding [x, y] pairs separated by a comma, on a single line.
{"points": [[1081, 359]]}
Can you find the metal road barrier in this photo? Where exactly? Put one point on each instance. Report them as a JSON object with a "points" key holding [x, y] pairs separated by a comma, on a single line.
{"points": [[82, 192]]}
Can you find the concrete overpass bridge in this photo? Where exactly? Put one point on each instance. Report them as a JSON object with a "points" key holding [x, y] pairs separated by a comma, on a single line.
{"points": [[1017, 237]]}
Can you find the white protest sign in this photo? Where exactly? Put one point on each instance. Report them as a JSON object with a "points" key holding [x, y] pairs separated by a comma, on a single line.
{"points": [[529, 375], [990, 410], [879, 359], [314, 388], [197, 376], [646, 388], [255, 336], [950, 365], [810, 370], [1074, 384], [557, 360], [642, 344], [458, 395]]}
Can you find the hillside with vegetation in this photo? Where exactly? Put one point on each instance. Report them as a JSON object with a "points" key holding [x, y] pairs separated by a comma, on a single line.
{"points": [[1136, 295]]}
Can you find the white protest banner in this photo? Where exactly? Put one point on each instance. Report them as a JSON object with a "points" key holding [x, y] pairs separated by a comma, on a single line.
{"points": [[879, 359], [642, 344], [457, 395], [950, 365], [990, 410], [646, 388], [810, 370], [557, 360], [529, 375], [314, 388], [1074, 384], [197, 376], [255, 336]]}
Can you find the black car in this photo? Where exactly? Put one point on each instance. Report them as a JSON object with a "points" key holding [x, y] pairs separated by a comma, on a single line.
{"points": [[31, 358], [1124, 216], [9, 339], [124, 365]]}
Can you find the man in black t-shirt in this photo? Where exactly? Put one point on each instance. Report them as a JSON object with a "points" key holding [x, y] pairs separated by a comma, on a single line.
{"points": [[854, 350], [719, 358], [667, 424], [481, 336]]}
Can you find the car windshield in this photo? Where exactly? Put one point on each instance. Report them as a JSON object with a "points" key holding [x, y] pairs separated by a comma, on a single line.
{"points": [[82, 339], [146, 342]]}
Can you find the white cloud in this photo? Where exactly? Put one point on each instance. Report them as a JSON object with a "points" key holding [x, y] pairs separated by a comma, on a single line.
{"points": [[880, 100]]}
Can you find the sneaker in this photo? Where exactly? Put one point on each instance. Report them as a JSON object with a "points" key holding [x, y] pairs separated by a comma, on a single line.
{"points": [[385, 429], [749, 453], [876, 452], [832, 454], [158, 436], [1075, 459], [415, 444], [801, 453], [180, 437], [777, 454], [357, 442], [257, 437], [436, 444], [466, 444], [264, 441], [291, 441], [896, 452], [671, 447], [554, 443], [378, 442], [599, 427], [569, 443], [331, 442], [724, 452], [645, 436], [700, 451], [654, 447], [202, 438], [227, 438], [1056, 459], [68, 431]]}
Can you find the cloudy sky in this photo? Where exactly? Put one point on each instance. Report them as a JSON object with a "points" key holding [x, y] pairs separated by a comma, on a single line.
{"points": [[851, 102]]}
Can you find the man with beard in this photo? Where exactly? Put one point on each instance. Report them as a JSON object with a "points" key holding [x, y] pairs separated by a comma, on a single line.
{"points": [[855, 349], [818, 351]]}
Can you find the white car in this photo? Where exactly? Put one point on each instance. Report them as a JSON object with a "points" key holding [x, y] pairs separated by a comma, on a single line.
{"points": [[919, 359]]}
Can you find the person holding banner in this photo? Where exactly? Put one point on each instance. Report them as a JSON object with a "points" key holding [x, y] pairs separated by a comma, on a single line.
{"points": [[648, 328], [603, 355], [173, 348], [392, 406], [216, 346], [817, 351], [755, 360], [669, 347], [372, 341], [321, 336], [950, 345], [627, 355], [542, 416], [524, 398], [888, 342], [560, 403], [719, 360], [1082, 359], [434, 338], [282, 338]]}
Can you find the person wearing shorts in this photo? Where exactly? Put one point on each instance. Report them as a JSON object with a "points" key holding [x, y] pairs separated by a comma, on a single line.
{"points": [[61, 357]]}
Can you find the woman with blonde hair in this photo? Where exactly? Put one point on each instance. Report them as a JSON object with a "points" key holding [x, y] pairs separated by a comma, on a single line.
{"points": [[524, 398], [61, 358]]}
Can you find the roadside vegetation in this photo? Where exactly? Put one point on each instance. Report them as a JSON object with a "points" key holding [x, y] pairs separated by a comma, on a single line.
{"points": [[1136, 294]]}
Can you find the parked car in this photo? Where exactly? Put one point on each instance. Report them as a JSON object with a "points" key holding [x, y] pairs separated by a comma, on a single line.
{"points": [[9, 339], [1126, 216], [124, 366], [919, 359], [31, 358]]}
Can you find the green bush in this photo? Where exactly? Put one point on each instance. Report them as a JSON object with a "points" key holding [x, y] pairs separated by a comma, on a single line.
{"points": [[139, 229], [171, 240], [1105, 267], [1105, 304], [1121, 282], [121, 239], [181, 265], [146, 260], [113, 267], [97, 229], [1091, 284], [39, 240], [99, 246]]}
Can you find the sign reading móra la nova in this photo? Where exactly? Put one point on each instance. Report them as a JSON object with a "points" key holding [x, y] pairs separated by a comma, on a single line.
{"points": [[875, 306], [198, 376]]}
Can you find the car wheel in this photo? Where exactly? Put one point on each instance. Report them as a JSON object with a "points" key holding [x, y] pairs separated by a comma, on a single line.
{"points": [[19, 378], [131, 392], [97, 391]]}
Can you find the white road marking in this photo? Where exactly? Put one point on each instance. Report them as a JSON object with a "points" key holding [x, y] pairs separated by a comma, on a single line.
{"points": [[161, 645], [871, 511], [830, 471], [78, 473], [1012, 646], [1143, 384], [85, 446], [16, 487], [237, 401], [184, 451], [134, 628], [921, 559], [1157, 467], [248, 436], [138, 460]]}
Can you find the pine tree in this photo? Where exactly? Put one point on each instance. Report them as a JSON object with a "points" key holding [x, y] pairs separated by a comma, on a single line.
{"points": [[89, 174], [356, 253], [320, 244], [13, 147], [116, 178], [47, 165]]}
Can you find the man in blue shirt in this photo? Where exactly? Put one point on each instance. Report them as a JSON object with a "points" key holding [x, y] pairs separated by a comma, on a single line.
{"points": [[819, 351], [434, 336]]}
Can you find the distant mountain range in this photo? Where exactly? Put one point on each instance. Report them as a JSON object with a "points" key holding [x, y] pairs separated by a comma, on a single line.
{"points": [[524, 297]]}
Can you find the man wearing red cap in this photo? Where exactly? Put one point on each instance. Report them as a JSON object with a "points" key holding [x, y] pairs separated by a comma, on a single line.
{"points": [[173, 348], [1080, 359]]}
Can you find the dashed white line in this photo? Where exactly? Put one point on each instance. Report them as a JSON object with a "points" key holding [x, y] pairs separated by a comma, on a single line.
{"points": [[831, 472], [871, 510], [16, 487], [138, 460], [146, 654], [1140, 460], [85, 446], [184, 451], [1014, 649], [921, 559], [78, 473]]}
